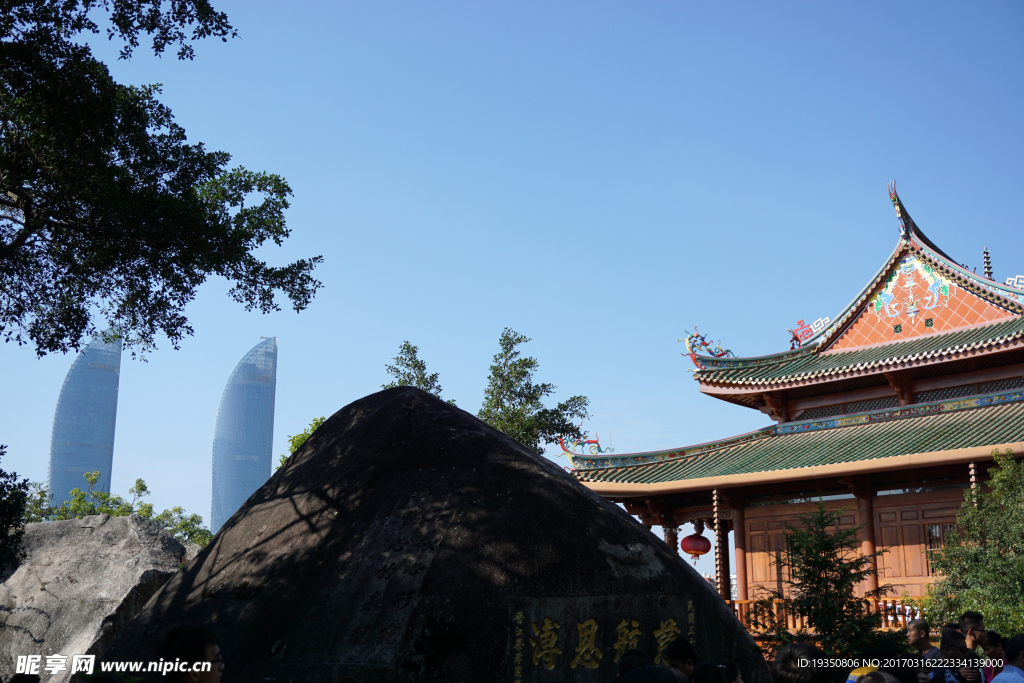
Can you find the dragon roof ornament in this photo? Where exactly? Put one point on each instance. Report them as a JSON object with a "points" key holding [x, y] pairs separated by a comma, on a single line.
{"points": [[580, 441], [697, 342]]}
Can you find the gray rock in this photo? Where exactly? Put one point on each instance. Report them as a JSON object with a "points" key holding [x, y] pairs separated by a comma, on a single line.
{"points": [[81, 582], [191, 551], [409, 541]]}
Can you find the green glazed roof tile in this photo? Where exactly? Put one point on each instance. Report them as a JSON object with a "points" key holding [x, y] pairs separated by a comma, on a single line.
{"points": [[813, 364], [962, 423]]}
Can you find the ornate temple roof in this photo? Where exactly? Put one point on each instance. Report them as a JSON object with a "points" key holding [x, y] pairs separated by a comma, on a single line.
{"points": [[920, 307], [978, 422]]}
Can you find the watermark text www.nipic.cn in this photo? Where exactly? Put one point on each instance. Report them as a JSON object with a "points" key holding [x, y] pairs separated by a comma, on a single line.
{"points": [[84, 664]]}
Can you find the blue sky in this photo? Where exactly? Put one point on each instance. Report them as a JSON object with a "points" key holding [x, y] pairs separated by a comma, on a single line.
{"points": [[600, 176]]}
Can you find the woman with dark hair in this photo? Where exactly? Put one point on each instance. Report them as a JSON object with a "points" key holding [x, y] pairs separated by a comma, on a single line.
{"points": [[995, 655]]}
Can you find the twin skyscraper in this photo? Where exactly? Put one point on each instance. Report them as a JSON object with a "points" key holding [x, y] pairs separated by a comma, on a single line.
{"points": [[83, 425]]}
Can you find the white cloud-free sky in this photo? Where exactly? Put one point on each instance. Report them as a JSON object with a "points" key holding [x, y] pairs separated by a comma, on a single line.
{"points": [[600, 176]]}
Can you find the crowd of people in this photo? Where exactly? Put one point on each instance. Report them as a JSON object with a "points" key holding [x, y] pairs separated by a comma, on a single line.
{"points": [[966, 653]]}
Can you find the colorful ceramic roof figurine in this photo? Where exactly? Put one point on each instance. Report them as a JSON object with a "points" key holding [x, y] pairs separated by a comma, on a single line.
{"points": [[874, 382]]}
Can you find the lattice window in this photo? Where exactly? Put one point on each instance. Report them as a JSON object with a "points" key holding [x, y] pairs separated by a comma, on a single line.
{"points": [[942, 394], [1001, 385], [873, 404], [821, 412], [935, 537]]}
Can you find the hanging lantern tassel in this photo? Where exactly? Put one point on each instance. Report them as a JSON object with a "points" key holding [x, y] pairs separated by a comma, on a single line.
{"points": [[695, 544]]}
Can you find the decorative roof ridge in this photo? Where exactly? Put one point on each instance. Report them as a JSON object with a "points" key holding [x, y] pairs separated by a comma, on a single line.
{"points": [[874, 416], [912, 340], [912, 239], [1014, 296], [908, 228], [815, 343], [712, 362], [888, 362]]}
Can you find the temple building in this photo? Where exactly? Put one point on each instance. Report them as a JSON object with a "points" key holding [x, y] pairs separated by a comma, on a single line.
{"points": [[888, 410]]}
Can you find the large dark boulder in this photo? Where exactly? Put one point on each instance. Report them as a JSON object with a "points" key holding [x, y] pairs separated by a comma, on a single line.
{"points": [[409, 541]]}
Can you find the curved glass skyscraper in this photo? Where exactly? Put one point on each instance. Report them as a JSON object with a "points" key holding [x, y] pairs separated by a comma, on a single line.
{"points": [[83, 426], [243, 439]]}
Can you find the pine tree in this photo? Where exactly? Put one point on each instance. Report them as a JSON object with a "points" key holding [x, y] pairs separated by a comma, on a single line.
{"points": [[824, 567], [410, 371], [513, 403]]}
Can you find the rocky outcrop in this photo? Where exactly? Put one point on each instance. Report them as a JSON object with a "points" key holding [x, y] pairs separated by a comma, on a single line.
{"points": [[409, 541], [81, 582], [191, 551]]}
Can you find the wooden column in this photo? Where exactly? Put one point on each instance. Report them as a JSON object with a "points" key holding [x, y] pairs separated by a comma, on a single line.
{"points": [[973, 471], [866, 512], [721, 549], [722, 565], [739, 526]]}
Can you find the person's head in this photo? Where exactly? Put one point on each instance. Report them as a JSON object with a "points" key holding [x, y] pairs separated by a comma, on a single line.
{"points": [[679, 654], [724, 672], [950, 626], [918, 633], [878, 677], [787, 668], [193, 643], [705, 672], [994, 646], [953, 645], [972, 625], [729, 672], [25, 678], [633, 659], [922, 675], [1014, 648]]}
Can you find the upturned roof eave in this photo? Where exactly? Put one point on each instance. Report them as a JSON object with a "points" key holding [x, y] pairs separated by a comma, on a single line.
{"points": [[722, 388], [814, 343], [888, 464], [644, 460]]}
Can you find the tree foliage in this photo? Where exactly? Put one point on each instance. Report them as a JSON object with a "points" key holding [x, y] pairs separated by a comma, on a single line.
{"points": [[105, 210], [410, 371], [824, 566], [514, 404], [295, 442], [982, 567], [187, 528], [13, 495]]}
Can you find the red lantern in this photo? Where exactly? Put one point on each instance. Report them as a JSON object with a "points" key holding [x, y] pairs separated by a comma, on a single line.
{"points": [[695, 545]]}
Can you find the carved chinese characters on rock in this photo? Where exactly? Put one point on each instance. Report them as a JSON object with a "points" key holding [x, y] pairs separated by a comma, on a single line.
{"points": [[393, 562], [517, 648], [565, 634], [627, 637], [668, 632], [587, 651], [545, 637]]}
